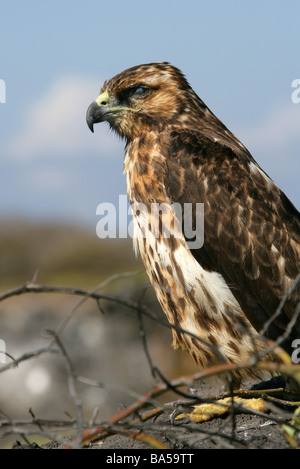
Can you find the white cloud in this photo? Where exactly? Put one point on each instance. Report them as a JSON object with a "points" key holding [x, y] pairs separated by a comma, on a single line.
{"points": [[55, 124], [278, 131], [274, 143], [56, 150]]}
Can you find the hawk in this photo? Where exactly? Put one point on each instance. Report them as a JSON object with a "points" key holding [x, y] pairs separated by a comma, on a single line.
{"points": [[221, 294]]}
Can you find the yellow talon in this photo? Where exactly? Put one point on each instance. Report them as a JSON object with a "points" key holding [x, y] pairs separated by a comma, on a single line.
{"points": [[204, 412]]}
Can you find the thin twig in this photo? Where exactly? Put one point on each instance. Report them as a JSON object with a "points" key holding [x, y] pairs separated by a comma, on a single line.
{"points": [[71, 383], [27, 356]]}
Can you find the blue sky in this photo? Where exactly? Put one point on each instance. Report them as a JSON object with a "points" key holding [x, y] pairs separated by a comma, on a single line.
{"points": [[240, 57]]}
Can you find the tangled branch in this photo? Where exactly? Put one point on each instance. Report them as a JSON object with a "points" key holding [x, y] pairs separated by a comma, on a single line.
{"points": [[135, 421]]}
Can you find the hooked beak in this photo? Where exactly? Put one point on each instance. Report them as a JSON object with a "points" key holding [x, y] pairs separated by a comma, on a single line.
{"points": [[98, 110], [104, 108]]}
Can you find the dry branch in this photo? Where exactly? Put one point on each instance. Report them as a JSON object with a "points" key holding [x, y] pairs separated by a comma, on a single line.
{"points": [[126, 421]]}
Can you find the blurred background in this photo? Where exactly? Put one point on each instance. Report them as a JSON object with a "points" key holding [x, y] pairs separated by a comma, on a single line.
{"points": [[240, 57]]}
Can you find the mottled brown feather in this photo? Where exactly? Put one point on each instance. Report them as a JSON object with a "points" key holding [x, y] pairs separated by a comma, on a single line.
{"points": [[248, 265], [178, 151]]}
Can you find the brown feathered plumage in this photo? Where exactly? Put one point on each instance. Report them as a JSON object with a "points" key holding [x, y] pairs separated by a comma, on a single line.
{"points": [[178, 152]]}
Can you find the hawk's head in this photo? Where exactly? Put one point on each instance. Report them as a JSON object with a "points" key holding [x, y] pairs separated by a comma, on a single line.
{"points": [[144, 97]]}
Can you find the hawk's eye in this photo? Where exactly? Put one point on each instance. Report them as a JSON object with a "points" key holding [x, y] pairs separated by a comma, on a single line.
{"points": [[133, 92], [139, 91]]}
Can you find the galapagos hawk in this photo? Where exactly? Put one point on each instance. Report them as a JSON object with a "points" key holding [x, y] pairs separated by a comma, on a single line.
{"points": [[217, 294]]}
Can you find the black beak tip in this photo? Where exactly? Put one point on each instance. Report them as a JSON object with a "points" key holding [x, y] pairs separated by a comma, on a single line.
{"points": [[90, 118]]}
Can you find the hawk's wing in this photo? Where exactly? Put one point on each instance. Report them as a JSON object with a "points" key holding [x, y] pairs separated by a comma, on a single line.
{"points": [[251, 229]]}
